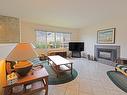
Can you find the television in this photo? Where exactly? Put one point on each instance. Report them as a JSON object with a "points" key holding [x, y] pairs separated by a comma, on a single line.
{"points": [[76, 46]]}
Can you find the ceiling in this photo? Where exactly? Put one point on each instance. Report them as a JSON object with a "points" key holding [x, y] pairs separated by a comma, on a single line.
{"points": [[64, 13]]}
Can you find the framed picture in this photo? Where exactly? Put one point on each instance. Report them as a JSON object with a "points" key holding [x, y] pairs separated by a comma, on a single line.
{"points": [[106, 36], [9, 29]]}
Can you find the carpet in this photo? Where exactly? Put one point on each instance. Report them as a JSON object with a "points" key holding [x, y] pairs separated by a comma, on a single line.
{"points": [[118, 79], [53, 79], [63, 78]]}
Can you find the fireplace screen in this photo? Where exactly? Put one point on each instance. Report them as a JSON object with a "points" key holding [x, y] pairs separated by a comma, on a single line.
{"points": [[105, 55]]}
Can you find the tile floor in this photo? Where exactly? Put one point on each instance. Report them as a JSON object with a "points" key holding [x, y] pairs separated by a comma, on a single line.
{"points": [[91, 80]]}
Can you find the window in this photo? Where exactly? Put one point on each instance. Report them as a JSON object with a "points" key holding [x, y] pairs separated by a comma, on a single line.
{"points": [[41, 39], [66, 40], [52, 39]]}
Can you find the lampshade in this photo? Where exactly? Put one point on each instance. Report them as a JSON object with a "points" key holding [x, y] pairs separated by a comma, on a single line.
{"points": [[22, 51]]}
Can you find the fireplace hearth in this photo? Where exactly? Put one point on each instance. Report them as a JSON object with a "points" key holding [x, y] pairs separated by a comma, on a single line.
{"points": [[106, 53]]}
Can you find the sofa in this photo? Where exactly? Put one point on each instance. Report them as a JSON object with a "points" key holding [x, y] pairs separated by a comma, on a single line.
{"points": [[121, 68], [2, 75]]}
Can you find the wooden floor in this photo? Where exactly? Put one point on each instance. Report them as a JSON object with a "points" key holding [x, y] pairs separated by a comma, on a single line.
{"points": [[2, 75]]}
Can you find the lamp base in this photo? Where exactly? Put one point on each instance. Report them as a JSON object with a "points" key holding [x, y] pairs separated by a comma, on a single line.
{"points": [[23, 67]]}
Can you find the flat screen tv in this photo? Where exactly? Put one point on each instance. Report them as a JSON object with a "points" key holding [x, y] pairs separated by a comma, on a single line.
{"points": [[76, 46]]}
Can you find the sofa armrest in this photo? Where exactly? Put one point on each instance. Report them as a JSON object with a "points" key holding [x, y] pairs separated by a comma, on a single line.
{"points": [[122, 69]]}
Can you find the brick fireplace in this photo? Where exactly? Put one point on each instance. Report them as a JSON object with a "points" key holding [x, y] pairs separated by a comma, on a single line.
{"points": [[106, 53]]}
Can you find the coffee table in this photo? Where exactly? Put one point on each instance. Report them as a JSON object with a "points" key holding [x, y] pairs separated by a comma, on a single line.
{"points": [[60, 64]]}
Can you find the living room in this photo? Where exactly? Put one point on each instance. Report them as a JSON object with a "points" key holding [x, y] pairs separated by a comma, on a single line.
{"points": [[81, 21]]}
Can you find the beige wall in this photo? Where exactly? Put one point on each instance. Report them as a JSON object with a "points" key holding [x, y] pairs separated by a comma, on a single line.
{"points": [[28, 33], [89, 34], [5, 49]]}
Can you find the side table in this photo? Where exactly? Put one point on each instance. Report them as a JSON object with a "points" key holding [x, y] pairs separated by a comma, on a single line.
{"points": [[122, 61], [34, 79]]}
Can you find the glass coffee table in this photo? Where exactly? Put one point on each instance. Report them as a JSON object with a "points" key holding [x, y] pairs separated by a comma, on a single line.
{"points": [[60, 64]]}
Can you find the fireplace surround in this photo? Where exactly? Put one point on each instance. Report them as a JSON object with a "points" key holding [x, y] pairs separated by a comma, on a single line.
{"points": [[106, 53]]}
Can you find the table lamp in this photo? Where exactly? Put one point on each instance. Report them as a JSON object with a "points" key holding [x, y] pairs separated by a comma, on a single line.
{"points": [[21, 54]]}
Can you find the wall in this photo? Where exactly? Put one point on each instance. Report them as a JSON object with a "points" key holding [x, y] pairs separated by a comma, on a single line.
{"points": [[28, 33], [5, 49], [89, 34]]}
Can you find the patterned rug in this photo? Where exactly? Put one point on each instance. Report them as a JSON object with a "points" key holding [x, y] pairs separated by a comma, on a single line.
{"points": [[53, 79], [118, 79], [64, 77]]}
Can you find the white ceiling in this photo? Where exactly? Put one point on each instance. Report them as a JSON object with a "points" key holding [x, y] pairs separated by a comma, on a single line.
{"points": [[64, 13]]}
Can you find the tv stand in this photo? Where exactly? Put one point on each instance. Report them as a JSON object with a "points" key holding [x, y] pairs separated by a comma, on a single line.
{"points": [[76, 54]]}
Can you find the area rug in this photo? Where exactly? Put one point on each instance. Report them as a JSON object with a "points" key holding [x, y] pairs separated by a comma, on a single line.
{"points": [[118, 79], [64, 77], [53, 79]]}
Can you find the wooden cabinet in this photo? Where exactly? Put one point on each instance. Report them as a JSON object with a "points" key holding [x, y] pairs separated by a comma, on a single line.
{"points": [[38, 80]]}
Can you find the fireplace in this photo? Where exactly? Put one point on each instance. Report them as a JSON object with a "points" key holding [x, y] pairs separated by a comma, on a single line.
{"points": [[106, 53]]}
